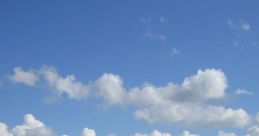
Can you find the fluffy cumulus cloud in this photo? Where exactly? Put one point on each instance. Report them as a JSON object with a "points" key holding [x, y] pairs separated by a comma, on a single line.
{"points": [[222, 133], [253, 131], [154, 133], [64, 85], [88, 132], [30, 127], [189, 102], [25, 77], [4, 130]]}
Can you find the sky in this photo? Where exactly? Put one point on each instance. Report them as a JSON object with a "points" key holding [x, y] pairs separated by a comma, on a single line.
{"points": [[129, 68]]}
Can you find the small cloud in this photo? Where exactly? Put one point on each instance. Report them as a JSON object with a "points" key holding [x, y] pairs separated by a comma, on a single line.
{"points": [[112, 134], [240, 25], [245, 26], [88, 132], [26, 77], [243, 92], [163, 19], [145, 20], [160, 37], [175, 52]]}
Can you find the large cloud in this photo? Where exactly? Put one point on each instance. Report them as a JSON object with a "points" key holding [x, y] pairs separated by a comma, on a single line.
{"points": [[30, 127], [189, 102]]}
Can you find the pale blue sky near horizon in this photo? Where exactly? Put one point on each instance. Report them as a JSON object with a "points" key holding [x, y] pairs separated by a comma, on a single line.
{"points": [[153, 41]]}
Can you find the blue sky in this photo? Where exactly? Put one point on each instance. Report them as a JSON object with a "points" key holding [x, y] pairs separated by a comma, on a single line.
{"points": [[118, 67]]}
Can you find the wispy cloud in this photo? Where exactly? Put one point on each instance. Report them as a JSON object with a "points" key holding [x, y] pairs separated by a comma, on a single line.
{"points": [[163, 19], [243, 92], [153, 36], [145, 20], [175, 52], [240, 25]]}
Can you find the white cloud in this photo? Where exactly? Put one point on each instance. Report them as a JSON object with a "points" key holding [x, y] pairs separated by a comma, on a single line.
{"points": [[243, 92], [30, 127], [187, 133], [163, 19], [239, 25], [222, 133], [110, 87], [253, 131], [154, 133], [88, 132], [25, 77], [145, 20], [205, 116], [112, 135], [188, 102], [64, 85], [175, 52], [245, 26], [159, 37], [4, 130]]}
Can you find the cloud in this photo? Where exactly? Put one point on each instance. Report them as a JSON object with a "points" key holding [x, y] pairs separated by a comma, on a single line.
{"points": [[189, 102], [88, 132], [30, 127], [153, 36], [4, 130], [112, 135], [204, 116], [175, 52], [253, 131], [222, 133], [110, 87], [145, 20], [26, 77], [158, 133], [163, 19], [64, 85], [257, 117], [187, 133], [154, 133], [243, 92], [240, 25]]}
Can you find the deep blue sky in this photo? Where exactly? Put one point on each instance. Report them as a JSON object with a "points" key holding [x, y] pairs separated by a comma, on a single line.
{"points": [[90, 37]]}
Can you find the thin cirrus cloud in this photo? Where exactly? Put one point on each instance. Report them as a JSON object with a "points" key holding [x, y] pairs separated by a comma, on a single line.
{"points": [[154, 36], [243, 92], [240, 25], [188, 102]]}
